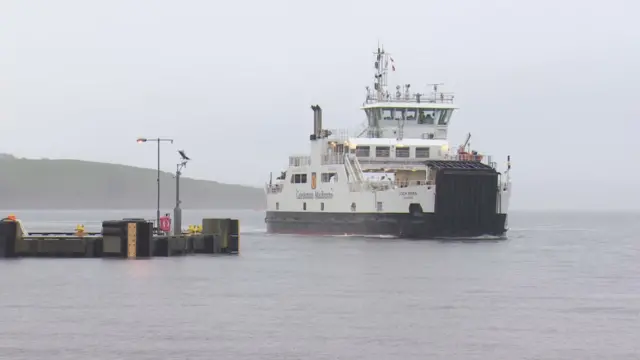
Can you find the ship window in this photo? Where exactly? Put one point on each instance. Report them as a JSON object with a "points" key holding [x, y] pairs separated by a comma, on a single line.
{"points": [[398, 114], [304, 206], [362, 151], [402, 152], [322, 206], [277, 206], [387, 114], [411, 114], [329, 177], [382, 151], [426, 117], [444, 117], [422, 152], [298, 178]]}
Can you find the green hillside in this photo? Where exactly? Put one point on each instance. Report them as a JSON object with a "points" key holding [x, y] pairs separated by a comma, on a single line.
{"points": [[75, 184]]}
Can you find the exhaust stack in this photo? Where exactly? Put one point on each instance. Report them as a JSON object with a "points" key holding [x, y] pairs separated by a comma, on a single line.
{"points": [[317, 122]]}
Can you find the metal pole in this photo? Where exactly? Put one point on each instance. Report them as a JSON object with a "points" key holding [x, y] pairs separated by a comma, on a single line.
{"points": [[158, 180], [177, 212]]}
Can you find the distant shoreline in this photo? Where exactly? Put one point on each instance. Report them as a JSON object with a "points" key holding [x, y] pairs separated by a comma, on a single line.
{"points": [[31, 184]]}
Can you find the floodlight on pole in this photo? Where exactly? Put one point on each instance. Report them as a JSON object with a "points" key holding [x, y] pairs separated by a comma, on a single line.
{"points": [[158, 140]]}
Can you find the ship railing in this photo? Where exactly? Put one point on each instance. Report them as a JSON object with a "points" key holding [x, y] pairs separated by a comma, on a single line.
{"points": [[413, 161], [274, 188], [299, 161], [340, 134], [439, 98], [392, 162], [357, 167], [353, 168], [382, 185], [331, 159], [485, 159]]}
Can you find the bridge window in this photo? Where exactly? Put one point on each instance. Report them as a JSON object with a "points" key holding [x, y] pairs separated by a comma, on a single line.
{"points": [[298, 178], [444, 117], [402, 152], [411, 114], [382, 151], [422, 152], [329, 177], [362, 151], [427, 117], [387, 114]]}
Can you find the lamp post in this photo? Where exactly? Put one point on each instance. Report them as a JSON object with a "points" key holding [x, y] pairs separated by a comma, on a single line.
{"points": [[157, 140], [177, 212]]}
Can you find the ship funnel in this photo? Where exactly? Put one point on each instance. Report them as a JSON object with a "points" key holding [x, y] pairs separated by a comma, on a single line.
{"points": [[317, 122]]}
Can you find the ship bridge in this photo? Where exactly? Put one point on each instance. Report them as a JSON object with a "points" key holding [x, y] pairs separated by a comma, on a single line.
{"points": [[408, 116], [404, 113]]}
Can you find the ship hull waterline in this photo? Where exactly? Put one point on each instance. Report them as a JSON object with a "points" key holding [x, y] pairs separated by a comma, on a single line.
{"points": [[400, 225]]}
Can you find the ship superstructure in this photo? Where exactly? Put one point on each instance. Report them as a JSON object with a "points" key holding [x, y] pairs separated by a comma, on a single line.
{"points": [[396, 177]]}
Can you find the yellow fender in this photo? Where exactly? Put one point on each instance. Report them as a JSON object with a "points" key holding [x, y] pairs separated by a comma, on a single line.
{"points": [[79, 230]]}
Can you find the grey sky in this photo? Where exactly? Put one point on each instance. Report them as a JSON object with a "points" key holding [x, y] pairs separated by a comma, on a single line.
{"points": [[553, 83]]}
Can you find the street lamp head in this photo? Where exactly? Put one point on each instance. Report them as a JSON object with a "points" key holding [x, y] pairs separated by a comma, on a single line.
{"points": [[141, 140]]}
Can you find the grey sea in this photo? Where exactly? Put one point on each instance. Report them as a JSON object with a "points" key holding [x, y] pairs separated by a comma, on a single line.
{"points": [[562, 286]]}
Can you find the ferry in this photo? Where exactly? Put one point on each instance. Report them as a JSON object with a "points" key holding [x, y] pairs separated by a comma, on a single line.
{"points": [[397, 177]]}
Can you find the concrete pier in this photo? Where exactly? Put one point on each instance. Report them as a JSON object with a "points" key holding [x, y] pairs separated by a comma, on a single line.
{"points": [[126, 239]]}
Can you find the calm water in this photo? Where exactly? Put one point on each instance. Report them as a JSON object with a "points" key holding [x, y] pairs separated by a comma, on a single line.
{"points": [[564, 286]]}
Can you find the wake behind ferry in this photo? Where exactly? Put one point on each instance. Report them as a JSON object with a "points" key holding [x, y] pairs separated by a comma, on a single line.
{"points": [[397, 177]]}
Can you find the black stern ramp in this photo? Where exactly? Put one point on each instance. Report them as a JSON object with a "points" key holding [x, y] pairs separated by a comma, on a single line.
{"points": [[466, 199]]}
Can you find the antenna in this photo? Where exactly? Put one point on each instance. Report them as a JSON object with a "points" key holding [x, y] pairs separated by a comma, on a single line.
{"points": [[435, 90], [381, 64]]}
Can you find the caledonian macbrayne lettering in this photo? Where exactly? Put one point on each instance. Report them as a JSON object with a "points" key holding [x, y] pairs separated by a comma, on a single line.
{"points": [[314, 195]]}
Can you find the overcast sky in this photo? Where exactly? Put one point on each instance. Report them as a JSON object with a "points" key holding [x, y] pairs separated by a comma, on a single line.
{"points": [[553, 83]]}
